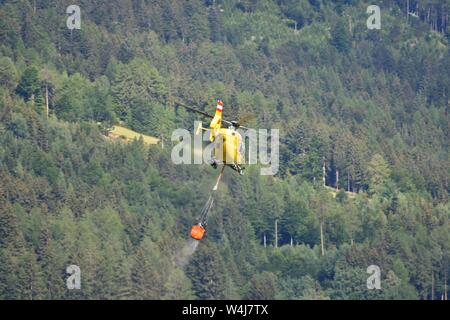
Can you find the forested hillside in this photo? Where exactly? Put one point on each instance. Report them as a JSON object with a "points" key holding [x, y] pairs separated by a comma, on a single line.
{"points": [[372, 105]]}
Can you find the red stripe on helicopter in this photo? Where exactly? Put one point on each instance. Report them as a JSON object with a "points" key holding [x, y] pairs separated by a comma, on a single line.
{"points": [[219, 106]]}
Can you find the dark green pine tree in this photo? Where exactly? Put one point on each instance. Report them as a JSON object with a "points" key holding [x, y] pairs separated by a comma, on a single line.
{"points": [[51, 261], [169, 27], [10, 235], [8, 279], [30, 28], [8, 74], [247, 5], [340, 37], [29, 85], [148, 272], [207, 274], [215, 24], [30, 278], [11, 246], [263, 286]]}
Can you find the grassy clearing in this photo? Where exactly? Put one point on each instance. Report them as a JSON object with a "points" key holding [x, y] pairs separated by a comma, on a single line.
{"points": [[129, 135]]}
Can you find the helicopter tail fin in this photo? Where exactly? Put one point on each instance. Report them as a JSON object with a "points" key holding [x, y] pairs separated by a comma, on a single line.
{"points": [[217, 120], [219, 108]]}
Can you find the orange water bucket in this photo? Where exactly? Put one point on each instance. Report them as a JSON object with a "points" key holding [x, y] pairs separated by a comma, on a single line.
{"points": [[197, 232]]}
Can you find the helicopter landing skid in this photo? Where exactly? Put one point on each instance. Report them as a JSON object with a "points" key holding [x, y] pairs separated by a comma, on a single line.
{"points": [[237, 168]]}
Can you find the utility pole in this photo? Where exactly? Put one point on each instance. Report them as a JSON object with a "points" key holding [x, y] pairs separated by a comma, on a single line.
{"points": [[32, 100], [276, 233], [337, 179], [46, 98], [348, 182], [445, 285], [46, 77], [407, 9], [321, 238], [350, 25], [323, 172], [320, 208], [432, 285]]}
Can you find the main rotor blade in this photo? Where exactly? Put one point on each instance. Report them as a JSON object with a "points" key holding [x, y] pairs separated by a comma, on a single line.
{"points": [[193, 109], [264, 135], [248, 116], [232, 124], [227, 122], [245, 117]]}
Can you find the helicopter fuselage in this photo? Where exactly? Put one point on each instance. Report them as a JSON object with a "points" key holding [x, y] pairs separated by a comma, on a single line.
{"points": [[228, 147]]}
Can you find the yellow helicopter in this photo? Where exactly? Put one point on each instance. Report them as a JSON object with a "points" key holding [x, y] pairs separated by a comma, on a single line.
{"points": [[229, 148]]}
